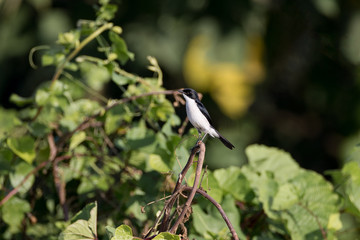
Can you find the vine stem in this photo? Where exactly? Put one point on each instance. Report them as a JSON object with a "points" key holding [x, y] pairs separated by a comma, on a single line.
{"points": [[61, 67], [82, 44], [218, 206]]}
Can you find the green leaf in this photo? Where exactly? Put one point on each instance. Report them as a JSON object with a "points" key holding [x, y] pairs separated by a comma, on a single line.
{"points": [[95, 75], [207, 224], [5, 160], [13, 212], [83, 225], [24, 147], [8, 121], [121, 80], [157, 163], [38, 129], [110, 232], [285, 197], [317, 202], [119, 47], [20, 101], [106, 12], [268, 159], [77, 139], [233, 181], [167, 236], [123, 232], [42, 97], [20, 171], [115, 117]]}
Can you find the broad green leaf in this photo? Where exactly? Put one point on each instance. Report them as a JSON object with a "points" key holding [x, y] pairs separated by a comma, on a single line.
{"points": [[20, 172], [317, 202], [233, 181], [8, 121], [83, 225], [24, 147], [157, 163], [77, 139], [208, 225], [123, 232], [167, 236], [352, 170], [285, 197], [110, 232], [211, 186], [13, 212], [269, 159]]}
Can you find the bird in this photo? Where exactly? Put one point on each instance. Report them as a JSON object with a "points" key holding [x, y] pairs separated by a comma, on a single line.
{"points": [[199, 116]]}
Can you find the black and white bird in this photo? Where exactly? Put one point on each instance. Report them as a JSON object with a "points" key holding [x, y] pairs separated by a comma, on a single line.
{"points": [[199, 116]]}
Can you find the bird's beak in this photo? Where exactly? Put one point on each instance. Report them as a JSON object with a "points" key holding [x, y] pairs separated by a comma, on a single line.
{"points": [[181, 91]]}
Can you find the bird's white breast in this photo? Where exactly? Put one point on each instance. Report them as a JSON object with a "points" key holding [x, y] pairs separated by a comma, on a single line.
{"points": [[197, 119]]}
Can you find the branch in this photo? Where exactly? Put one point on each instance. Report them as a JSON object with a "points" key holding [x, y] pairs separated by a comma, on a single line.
{"points": [[34, 171], [218, 206], [170, 203], [193, 191]]}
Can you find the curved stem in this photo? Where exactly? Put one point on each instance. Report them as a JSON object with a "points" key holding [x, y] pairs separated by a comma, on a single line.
{"points": [[218, 206]]}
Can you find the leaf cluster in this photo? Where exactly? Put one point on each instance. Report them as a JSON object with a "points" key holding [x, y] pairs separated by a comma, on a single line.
{"points": [[75, 164]]}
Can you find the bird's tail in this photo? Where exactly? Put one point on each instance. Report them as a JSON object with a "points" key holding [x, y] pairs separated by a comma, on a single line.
{"points": [[225, 141]]}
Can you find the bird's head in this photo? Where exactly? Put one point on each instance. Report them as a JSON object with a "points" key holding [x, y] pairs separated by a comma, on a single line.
{"points": [[191, 93]]}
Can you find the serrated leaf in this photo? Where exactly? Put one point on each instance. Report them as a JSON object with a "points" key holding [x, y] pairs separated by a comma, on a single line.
{"points": [[123, 232], [77, 139], [24, 147], [167, 236]]}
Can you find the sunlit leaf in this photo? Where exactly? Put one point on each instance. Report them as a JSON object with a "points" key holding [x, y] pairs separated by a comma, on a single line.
{"points": [[24, 147], [123, 232]]}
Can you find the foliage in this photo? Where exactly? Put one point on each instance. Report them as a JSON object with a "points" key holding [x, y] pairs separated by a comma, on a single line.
{"points": [[74, 164]]}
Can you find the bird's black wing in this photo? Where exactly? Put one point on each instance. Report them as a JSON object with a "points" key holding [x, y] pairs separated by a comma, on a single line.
{"points": [[203, 110]]}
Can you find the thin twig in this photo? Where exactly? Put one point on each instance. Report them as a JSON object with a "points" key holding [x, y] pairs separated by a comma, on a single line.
{"points": [[195, 186], [34, 171], [218, 206]]}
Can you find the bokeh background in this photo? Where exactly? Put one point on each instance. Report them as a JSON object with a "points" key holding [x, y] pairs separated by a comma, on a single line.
{"points": [[284, 73]]}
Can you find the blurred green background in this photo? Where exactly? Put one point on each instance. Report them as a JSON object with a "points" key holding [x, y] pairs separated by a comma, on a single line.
{"points": [[283, 73]]}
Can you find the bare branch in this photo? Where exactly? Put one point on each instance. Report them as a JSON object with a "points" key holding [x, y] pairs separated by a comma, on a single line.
{"points": [[218, 206], [195, 186]]}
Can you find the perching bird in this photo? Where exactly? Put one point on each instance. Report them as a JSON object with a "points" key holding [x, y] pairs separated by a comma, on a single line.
{"points": [[199, 116]]}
